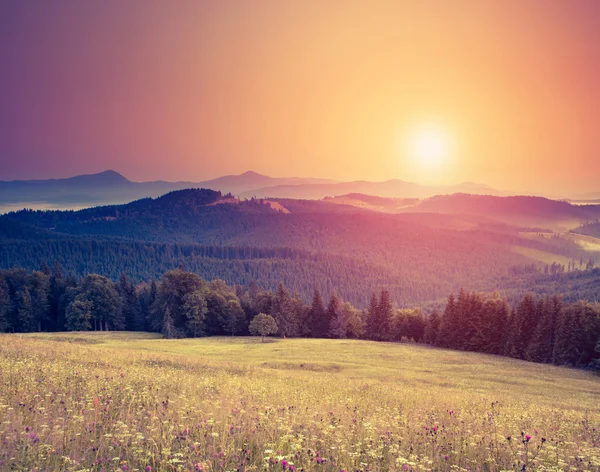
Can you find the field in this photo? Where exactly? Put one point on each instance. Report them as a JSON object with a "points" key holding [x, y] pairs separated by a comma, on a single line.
{"points": [[134, 401]]}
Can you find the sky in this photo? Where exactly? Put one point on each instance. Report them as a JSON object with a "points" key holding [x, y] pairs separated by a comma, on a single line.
{"points": [[191, 90]]}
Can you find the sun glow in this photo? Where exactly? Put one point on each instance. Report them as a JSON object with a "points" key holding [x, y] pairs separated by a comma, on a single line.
{"points": [[427, 152], [430, 147]]}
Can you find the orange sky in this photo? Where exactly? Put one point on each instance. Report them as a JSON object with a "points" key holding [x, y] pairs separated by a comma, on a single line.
{"points": [[190, 90]]}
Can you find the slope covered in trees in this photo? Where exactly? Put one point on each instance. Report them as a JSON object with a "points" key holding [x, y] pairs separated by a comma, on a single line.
{"points": [[327, 246]]}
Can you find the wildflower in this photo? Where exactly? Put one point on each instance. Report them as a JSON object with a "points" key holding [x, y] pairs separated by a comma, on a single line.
{"points": [[446, 457], [284, 464], [528, 438], [148, 468]]}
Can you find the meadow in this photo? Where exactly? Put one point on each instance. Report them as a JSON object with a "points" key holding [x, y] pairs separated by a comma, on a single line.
{"points": [[136, 402]]}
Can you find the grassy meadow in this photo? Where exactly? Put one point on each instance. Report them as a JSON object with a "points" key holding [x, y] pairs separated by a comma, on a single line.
{"points": [[137, 402]]}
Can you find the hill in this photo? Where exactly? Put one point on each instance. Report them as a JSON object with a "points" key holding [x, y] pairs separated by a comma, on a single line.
{"points": [[304, 244], [589, 229], [216, 403], [393, 188], [517, 210]]}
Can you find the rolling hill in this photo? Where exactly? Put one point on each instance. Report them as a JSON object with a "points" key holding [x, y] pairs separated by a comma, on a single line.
{"points": [[304, 244], [522, 211]]}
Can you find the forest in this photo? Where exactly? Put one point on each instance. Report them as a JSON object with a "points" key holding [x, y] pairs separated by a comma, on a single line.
{"points": [[418, 258], [182, 304]]}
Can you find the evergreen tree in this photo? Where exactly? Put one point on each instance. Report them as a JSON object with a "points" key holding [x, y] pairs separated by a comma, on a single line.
{"points": [[301, 314], [317, 317], [283, 313], [332, 312], [132, 309], [4, 306], [384, 317], [372, 321], [449, 324], [168, 329], [147, 301], [339, 326], [466, 319], [354, 321], [24, 310], [541, 346], [522, 325], [44, 268], [488, 320], [577, 334], [432, 327], [58, 287]]}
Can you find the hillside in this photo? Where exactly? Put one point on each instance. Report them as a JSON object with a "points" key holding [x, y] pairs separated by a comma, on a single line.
{"points": [[312, 244], [589, 229], [216, 403], [393, 188], [517, 210]]}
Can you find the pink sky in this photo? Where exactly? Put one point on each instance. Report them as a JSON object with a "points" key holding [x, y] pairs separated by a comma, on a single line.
{"points": [[192, 90]]}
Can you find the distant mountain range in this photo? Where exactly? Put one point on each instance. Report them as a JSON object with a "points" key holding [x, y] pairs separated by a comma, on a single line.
{"points": [[110, 187]]}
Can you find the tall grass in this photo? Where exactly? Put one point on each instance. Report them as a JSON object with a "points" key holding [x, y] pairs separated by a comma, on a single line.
{"points": [[124, 401]]}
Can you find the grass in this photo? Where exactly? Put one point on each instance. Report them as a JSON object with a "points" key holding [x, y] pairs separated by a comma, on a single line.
{"points": [[134, 401]]}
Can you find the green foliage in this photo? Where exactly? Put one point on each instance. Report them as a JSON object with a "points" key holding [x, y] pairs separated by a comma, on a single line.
{"points": [[263, 325], [79, 315], [182, 304], [417, 259]]}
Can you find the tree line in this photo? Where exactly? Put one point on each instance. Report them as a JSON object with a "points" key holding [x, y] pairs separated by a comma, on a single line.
{"points": [[182, 304]]}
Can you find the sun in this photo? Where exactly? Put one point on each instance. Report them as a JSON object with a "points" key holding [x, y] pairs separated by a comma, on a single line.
{"points": [[429, 147]]}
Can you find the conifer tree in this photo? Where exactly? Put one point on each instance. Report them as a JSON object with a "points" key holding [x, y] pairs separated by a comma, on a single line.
{"points": [[4, 306], [282, 312], [339, 326], [25, 311], [541, 346], [448, 324], [332, 312], [522, 326], [384, 317], [168, 329], [132, 310], [316, 316], [372, 319], [432, 327]]}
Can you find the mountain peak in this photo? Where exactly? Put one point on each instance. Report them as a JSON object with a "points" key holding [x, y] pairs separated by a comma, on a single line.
{"points": [[252, 174], [106, 177]]}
